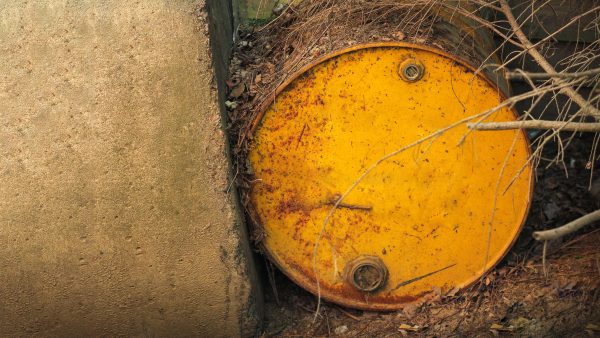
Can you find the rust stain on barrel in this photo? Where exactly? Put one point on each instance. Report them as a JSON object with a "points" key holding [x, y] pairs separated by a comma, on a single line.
{"points": [[423, 209]]}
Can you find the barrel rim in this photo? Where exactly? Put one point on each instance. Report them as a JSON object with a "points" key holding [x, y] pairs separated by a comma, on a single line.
{"points": [[304, 281]]}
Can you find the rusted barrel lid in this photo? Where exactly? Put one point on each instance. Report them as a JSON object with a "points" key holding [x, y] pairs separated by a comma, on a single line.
{"points": [[430, 218]]}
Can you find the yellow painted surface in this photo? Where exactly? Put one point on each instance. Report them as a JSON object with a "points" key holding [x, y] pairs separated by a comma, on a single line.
{"points": [[431, 205]]}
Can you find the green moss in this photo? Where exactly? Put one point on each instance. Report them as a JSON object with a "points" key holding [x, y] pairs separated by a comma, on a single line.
{"points": [[258, 12]]}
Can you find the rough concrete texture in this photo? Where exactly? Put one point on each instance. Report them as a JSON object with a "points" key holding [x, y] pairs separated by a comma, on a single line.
{"points": [[115, 214]]}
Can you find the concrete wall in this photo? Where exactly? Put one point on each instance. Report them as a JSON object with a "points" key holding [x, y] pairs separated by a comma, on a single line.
{"points": [[115, 212]]}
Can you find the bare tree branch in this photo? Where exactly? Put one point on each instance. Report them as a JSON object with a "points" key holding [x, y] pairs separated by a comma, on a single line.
{"points": [[536, 124], [521, 75], [566, 229], [586, 107]]}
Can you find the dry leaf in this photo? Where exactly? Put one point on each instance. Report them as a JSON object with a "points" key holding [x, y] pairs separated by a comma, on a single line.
{"points": [[237, 91], [407, 327], [340, 330], [410, 310], [452, 292], [231, 105], [570, 286], [399, 36]]}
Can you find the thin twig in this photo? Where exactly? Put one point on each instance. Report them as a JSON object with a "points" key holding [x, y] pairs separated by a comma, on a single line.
{"points": [[352, 206], [521, 75], [351, 316], [578, 239], [586, 106], [544, 252]]}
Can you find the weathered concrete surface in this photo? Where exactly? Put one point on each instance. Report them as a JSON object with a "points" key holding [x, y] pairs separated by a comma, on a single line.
{"points": [[114, 212]]}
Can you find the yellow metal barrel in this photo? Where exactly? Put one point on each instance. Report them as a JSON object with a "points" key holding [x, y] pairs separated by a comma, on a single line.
{"points": [[427, 206]]}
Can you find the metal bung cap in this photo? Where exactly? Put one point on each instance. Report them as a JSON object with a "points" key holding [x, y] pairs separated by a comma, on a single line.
{"points": [[367, 273], [411, 70]]}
